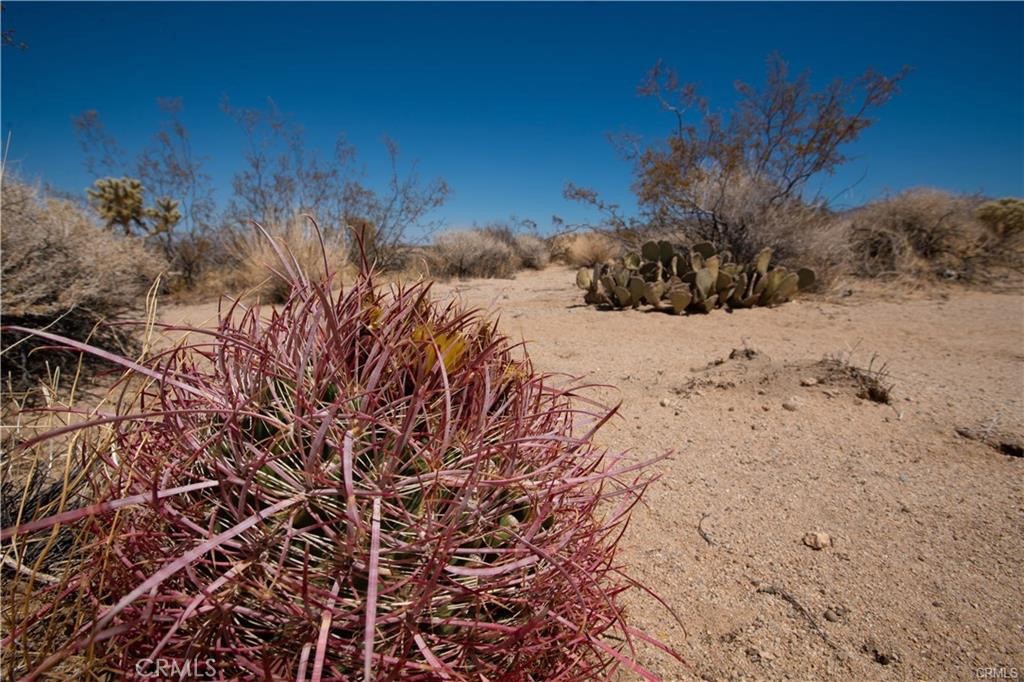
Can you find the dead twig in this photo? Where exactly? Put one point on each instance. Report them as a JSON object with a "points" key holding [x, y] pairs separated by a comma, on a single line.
{"points": [[703, 533], [782, 593]]}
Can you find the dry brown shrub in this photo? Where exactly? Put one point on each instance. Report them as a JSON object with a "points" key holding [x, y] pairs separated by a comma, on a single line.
{"points": [[921, 232], [1004, 220], [64, 273], [472, 253], [252, 267], [587, 249], [532, 251]]}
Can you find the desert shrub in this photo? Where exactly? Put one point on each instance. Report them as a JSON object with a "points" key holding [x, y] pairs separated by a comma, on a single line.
{"points": [[1005, 217], [252, 269], [366, 486], [63, 272], [588, 249], [724, 176], [531, 251], [918, 232], [1004, 221], [472, 253]]}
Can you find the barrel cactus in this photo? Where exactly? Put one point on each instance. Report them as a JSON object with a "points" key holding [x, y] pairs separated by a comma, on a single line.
{"points": [[358, 485]]}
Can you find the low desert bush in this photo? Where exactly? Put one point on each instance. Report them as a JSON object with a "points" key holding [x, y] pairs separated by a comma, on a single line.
{"points": [[919, 232], [64, 273], [472, 253], [1004, 220], [252, 270], [531, 251], [368, 486], [587, 249], [1004, 217]]}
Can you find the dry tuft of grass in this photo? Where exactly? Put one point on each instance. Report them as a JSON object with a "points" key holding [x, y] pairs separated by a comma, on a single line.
{"points": [[587, 249], [253, 270], [873, 382]]}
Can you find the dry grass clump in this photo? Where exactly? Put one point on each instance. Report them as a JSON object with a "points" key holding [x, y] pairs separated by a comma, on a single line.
{"points": [[252, 269], [872, 382], [472, 253], [925, 233], [587, 249], [63, 272]]}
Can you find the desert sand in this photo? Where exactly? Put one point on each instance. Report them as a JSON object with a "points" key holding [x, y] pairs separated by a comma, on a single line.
{"points": [[920, 576]]}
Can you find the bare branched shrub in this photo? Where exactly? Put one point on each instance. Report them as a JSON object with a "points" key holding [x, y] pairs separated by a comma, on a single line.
{"points": [[587, 249], [63, 272], [252, 269], [729, 177], [283, 178], [472, 253]]}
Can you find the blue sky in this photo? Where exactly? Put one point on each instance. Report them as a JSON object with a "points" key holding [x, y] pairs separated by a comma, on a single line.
{"points": [[508, 102]]}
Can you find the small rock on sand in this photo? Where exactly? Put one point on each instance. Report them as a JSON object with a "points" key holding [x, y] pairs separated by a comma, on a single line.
{"points": [[808, 381], [817, 540]]}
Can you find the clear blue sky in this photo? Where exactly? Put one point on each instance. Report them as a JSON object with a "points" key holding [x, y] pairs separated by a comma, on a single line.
{"points": [[508, 102]]}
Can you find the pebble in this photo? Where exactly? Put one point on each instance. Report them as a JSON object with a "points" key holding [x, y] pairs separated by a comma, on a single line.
{"points": [[790, 405], [808, 381], [817, 540], [831, 616], [663, 402]]}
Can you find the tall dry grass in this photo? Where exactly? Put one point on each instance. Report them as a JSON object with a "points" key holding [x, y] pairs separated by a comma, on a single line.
{"points": [[251, 269], [587, 249]]}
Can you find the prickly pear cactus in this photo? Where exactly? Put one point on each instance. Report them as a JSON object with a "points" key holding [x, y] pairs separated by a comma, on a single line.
{"points": [[690, 279]]}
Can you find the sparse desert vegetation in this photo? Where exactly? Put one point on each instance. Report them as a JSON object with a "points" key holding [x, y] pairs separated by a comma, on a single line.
{"points": [[64, 273], [275, 409]]}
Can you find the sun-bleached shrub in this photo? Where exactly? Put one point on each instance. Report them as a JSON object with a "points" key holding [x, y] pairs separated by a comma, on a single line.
{"points": [[63, 272], [532, 251], [472, 253], [921, 231]]}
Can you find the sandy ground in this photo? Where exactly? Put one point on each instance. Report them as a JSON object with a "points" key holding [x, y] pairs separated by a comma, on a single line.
{"points": [[923, 579]]}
